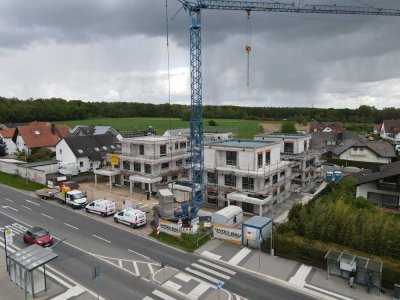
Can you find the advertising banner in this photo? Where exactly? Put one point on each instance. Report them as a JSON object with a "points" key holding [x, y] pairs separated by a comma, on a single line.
{"points": [[251, 233], [169, 227], [114, 159], [228, 234]]}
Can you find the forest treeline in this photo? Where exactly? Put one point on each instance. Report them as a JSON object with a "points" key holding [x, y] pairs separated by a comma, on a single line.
{"points": [[56, 109]]}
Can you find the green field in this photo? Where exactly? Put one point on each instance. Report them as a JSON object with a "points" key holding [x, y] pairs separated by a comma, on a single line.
{"points": [[19, 182], [244, 129]]}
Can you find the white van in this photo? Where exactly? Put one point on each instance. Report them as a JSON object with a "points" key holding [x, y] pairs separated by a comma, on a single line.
{"points": [[101, 207], [132, 217]]}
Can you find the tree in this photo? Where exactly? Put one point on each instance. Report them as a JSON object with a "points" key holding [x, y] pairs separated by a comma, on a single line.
{"points": [[288, 127], [3, 147]]}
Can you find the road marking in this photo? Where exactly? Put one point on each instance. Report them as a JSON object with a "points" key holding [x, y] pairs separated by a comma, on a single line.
{"points": [[151, 268], [209, 278], [73, 292], [14, 209], [172, 285], [146, 279], [239, 256], [148, 298], [100, 238], [136, 267], [208, 270], [66, 224], [162, 295], [198, 290], [26, 207], [211, 255], [120, 263], [182, 276], [300, 277], [47, 216], [8, 200], [139, 254], [313, 287], [206, 262], [33, 202]]}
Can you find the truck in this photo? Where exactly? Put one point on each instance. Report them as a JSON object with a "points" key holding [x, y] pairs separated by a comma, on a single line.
{"points": [[75, 198], [46, 193]]}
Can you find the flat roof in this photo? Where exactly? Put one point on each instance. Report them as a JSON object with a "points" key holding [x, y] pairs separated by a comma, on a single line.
{"points": [[257, 222], [284, 135], [242, 143], [154, 138], [33, 257]]}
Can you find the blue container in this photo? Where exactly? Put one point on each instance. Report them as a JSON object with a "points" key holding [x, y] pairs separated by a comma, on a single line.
{"points": [[337, 175], [329, 176]]}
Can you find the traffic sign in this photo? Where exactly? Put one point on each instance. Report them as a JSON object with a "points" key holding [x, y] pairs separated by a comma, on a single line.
{"points": [[219, 285], [8, 236], [260, 238]]}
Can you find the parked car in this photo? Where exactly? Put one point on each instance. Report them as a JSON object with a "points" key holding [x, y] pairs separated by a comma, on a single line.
{"points": [[102, 207], [39, 236], [132, 217]]}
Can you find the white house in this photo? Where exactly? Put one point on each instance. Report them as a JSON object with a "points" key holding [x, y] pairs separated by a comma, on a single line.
{"points": [[390, 130], [86, 151], [246, 173], [7, 135]]}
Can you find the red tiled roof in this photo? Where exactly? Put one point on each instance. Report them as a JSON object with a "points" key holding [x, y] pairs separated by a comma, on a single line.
{"points": [[7, 132], [36, 136]]}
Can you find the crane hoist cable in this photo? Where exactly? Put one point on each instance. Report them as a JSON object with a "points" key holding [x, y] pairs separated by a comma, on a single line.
{"points": [[248, 45]]}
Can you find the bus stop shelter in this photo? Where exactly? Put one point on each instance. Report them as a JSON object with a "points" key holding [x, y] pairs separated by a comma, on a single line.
{"points": [[23, 268], [342, 263]]}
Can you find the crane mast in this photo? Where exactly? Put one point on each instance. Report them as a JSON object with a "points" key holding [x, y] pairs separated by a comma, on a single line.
{"points": [[196, 117]]}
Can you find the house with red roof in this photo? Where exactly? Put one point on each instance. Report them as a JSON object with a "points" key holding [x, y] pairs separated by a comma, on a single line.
{"points": [[39, 135]]}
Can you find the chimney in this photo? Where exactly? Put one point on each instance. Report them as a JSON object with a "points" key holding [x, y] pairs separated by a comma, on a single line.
{"points": [[53, 128]]}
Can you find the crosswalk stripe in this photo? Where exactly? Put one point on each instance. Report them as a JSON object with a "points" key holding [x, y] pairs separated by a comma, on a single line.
{"points": [[209, 278], [239, 256], [199, 290], [217, 266], [208, 270], [162, 295], [148, 298]]}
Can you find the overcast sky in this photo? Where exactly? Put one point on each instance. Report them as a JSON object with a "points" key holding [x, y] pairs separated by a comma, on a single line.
{"points": [[115, 50]]}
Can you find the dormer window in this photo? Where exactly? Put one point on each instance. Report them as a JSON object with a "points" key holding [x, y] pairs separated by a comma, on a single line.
{"points": [[37, 132], [96, 149], [80, 151], [104, 148]]}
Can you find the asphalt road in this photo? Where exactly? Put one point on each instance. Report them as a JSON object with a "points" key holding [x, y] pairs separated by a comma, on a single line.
{"points": [[91, 242]]}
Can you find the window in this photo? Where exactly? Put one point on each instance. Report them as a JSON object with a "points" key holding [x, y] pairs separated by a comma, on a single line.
{"points": [[163, 150], [176, 146], [141, 149], [185, 173], [174, 176], [60, 151], [147, 169], [126, 165], [165, 165], [137, 167], [275, 179], [267, 157], [187, 161], [37, 132], [305, 145], [164, 179], [282, 189], [112, 147], [274, 193], [259, 160], [80, 151], [81, 163], [179, 162], [288, 147], [282, 174], [248, 183], [248, 207], [230, 180], [183, 145], [231, 158], [104, 148], [96, 149], [267, 182], [212, 177]]}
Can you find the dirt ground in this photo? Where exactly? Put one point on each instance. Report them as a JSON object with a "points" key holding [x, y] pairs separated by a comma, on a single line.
{"points": [[276, 127]]}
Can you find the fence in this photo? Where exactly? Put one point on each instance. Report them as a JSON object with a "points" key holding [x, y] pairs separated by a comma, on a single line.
{"points": [[19, 169]]}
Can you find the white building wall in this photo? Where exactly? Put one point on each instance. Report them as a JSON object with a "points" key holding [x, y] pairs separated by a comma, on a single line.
{"points": [[365, 155], [363, 189], [246, 160], [20, 143], [64, 153], [11, 146]]}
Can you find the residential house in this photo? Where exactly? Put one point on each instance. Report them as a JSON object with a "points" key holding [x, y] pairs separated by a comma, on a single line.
{"points": [[375, 152], [39, 135], [381, 187], [295, 147], [151, 162], [327, 141], [327, 127], [377, 129], [390, 130], [87, 151], [246, 173], [7, 135]]}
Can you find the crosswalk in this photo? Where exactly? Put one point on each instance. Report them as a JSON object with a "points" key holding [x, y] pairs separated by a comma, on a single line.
{"points": [[201, 276], [299, 278]]}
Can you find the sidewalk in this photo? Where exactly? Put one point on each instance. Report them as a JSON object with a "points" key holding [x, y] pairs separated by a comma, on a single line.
{"points": [[287, 272]]}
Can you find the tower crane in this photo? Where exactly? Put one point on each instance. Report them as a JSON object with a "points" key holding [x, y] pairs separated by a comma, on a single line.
{"points": [[194, 8]]}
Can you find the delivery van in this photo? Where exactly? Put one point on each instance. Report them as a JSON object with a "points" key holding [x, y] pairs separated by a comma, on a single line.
{"points": [[101, 207], [132, 217]]}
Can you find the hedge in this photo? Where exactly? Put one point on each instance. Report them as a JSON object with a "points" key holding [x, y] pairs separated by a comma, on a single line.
{"points": [[312, 253]]}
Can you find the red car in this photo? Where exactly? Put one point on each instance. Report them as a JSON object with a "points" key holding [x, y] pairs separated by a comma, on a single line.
{"points": [[38, 235]]}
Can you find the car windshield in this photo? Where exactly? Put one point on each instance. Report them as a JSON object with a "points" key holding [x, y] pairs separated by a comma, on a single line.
{"points": [[40, 232], [77, 196]]}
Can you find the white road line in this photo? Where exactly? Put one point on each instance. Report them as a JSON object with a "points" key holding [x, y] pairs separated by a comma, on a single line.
{"points": [[47, 216], [100, 238], [151, 268], [210, 255], [162, 295], [69, 225], [73, 292], [182, 276], [239, 256], [14, 229], [136, 268], [120, 263], [198, 290], [129, 250], [209, 278], [33, 202], [148, 298], [9, 200], [313, 287], [4, 206], [208, 270], [26, 207], [146, 279], [206, 262], [172, 285]]}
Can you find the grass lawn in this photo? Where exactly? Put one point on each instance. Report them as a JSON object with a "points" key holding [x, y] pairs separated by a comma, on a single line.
{"points": [[244, 129], [19, 182], [188, 242]]}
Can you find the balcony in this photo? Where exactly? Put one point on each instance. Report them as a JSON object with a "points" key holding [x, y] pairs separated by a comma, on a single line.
{"points": [[388, 186]]}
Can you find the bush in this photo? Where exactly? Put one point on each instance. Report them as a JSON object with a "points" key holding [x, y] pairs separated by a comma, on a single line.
{"points": [[212, 123]]}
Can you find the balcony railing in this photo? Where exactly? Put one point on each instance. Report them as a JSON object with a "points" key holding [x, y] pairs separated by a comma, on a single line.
{"points": [[388, 186]]}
